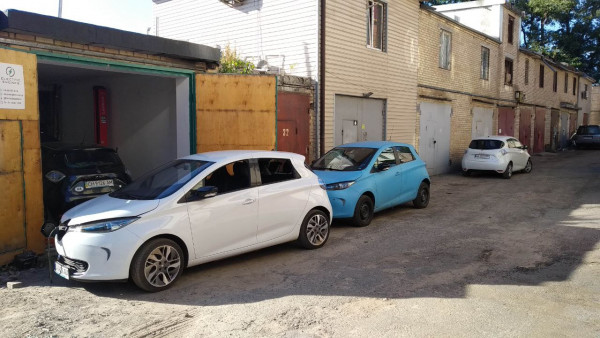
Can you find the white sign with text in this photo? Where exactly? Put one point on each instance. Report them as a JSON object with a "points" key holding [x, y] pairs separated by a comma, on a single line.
{"points": [[12, 86]]}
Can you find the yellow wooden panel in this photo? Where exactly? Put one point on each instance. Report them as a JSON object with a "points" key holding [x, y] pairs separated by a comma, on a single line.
{"points": [[29, 63], [10, 146], [12, 234], [235, 112], [34, 203]]}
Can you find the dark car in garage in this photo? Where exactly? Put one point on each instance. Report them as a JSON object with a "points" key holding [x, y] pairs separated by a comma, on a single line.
{"points": [[587, 136], [73, 174]]}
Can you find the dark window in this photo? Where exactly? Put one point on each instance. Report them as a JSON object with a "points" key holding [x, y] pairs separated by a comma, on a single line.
{"points": [[387, 156], [527, 71], [541, 76], [445, 49], [555, 82], [230, 177], [566, 82], [588, 130], [508, 72], [404, 154], [91, 158], [273, 170], [574, 85], [376, 24], [485, 63], [162, 181], [345, 159], [511, 29], [584, 93], [486, 144]]}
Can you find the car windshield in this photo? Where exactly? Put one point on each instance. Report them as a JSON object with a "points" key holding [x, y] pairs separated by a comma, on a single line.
{"points": [[588, 130], [486, 144], [91, 158], [163, 181], [345, 159]]}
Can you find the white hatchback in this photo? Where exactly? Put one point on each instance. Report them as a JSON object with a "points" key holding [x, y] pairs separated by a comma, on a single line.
{"points": [[501, 154], [193, 210]]}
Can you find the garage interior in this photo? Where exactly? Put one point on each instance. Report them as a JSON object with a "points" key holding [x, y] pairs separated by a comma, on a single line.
{"points": [[148, 115]]}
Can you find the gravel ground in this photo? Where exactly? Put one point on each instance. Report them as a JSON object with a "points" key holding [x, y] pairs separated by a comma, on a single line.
{"points": [[488, 257]]}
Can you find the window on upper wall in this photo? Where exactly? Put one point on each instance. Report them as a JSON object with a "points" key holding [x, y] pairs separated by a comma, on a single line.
{"points": [[377, 25], [541, 76], [511, 29], [485, 63], [566, 82], [555, 82], [526, 71], [445, 49], [508, 72], [574, 85], [584, 93]]}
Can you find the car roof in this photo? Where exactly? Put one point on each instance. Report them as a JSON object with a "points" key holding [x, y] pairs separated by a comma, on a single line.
{"points": [[373, 144], [495, 137], [234, 155]]}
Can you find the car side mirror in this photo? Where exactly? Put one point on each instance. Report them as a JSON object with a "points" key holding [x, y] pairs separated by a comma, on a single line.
{"points": [[524, 147], [204, 192], [48, 228], [383, 166]]}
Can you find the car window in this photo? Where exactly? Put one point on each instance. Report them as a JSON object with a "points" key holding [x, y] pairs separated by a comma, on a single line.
{"points": [[386, 156], [91, 158], [486, 144], [273, 170], [511, 143], [163, 181], [230, 177], [345, 158], [588, 130], [518, 144], [404, 154]]}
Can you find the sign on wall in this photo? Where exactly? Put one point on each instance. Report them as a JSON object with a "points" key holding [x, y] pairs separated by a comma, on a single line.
{"points": [[12, 86]]}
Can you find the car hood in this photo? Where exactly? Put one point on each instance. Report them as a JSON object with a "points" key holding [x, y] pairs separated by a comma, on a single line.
{"points": [[332, 176], [106, 207]]}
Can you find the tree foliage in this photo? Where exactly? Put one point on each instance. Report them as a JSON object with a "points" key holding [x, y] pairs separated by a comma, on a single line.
{"points": [[565, 30], [232, 63]]}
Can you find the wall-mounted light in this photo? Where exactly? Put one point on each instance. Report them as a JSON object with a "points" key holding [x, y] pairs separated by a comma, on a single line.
{"points": [[367, 94], [519, 96]]}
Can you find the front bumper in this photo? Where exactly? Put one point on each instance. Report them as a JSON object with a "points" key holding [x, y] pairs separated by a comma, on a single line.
{"points": [[343, 202], [97, 256]]}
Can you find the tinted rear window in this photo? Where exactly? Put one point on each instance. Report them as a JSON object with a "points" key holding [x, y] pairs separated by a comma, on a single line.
{"points": [[588, 130], [91, 158], [486, 144]]}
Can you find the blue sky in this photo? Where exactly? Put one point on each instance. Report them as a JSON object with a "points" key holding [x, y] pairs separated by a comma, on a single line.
{"points": [[130, 15]]}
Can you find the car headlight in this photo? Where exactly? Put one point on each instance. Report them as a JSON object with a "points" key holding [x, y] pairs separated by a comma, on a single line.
{"points": [[106, 225], [322, 184], [55, 176], [339, 185]]}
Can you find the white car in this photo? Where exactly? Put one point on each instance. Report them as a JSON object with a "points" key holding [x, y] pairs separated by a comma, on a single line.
{"points": [[196, 209], [502, 154]]}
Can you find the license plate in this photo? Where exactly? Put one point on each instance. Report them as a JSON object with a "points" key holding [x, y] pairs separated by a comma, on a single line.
{"points": [[61, 270], [99, 184], [482, 156]]}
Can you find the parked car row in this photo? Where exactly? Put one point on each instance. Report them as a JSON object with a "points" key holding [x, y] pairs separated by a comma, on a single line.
{"points": [[209, 206]]}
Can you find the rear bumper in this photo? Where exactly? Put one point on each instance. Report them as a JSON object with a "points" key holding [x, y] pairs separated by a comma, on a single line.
{"points": [[493, 164]]}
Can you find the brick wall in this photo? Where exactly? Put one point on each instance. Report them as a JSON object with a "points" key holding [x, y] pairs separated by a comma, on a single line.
{"points": [[595, 106]]}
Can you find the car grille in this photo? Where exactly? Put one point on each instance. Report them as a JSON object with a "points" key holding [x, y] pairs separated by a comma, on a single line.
{"points": [[76, 266]]}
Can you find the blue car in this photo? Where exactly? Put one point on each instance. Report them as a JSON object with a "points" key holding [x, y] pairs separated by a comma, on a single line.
{"points": [[366, 177]]}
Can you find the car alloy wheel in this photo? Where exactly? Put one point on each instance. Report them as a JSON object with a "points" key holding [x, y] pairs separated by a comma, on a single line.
{"points": [[528, 167], [314, 231], [157, 264]]}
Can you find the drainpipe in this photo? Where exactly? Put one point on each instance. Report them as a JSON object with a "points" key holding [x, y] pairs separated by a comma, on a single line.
{"points": [[322, 78]]}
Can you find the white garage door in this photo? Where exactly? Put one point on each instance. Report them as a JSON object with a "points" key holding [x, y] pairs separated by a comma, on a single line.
{"points": [[482, 122], [358, 119], [434, 140]]}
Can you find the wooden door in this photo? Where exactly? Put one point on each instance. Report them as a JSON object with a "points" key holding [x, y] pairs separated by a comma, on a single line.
{"points": [[525, 127], [506, 121], [293, 122], [539, 127]]}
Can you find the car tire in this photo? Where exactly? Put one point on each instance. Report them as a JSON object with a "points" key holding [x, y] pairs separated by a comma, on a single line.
{"points": [[528, 166], [363, 212], [422, 199], [466, 173], [508, 171], [314, 231], [157, 264]]}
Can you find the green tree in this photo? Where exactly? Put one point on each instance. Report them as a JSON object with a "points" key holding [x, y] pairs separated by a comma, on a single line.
{"points": [[232, 63]]}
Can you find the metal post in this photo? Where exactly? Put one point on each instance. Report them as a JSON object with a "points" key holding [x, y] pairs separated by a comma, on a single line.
{"points": [[60, 8]]}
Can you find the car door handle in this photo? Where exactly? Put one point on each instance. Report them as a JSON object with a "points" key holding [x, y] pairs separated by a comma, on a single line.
{"points": [[397, 173], [248, 201]]}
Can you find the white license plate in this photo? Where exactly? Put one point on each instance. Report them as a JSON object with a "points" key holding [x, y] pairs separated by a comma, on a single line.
{"points": [[486, 156], [61, 270], [99, 184]]}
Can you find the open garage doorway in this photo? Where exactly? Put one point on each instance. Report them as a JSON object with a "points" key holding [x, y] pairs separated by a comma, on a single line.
{"points": [[147, 116]]}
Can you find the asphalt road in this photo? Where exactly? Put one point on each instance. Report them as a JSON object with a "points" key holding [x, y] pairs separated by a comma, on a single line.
{"points": [[488, 257]]}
